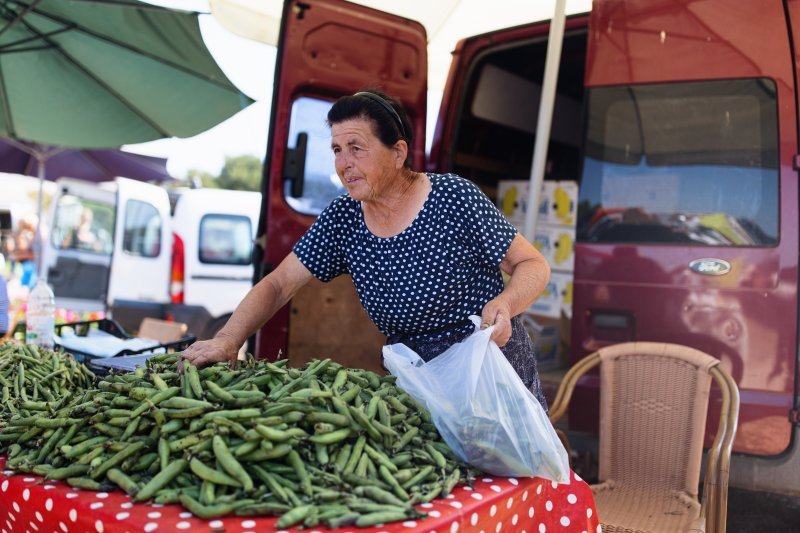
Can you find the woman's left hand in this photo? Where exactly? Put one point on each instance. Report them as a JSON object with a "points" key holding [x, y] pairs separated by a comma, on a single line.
{"points": [[497, 313]]}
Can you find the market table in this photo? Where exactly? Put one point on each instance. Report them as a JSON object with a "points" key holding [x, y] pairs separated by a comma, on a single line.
{"points": [[531, 505]]}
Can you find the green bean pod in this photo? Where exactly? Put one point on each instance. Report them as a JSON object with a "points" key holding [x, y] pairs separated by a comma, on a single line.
{"points": [[161, 479], [230, 464]]}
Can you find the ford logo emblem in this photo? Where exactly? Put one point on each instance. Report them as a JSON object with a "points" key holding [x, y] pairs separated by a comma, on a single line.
{"points": [[710, 266]]}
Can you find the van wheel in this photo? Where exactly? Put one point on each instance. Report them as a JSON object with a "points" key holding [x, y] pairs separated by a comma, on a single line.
{"points": [[217, 324]]}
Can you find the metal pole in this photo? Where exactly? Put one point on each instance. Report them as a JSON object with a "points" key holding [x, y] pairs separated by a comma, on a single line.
{"points": [[38, 245], [554, 41]]}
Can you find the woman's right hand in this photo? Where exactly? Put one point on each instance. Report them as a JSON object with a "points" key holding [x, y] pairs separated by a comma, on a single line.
{"points": [[258, 306], [215, 350]]}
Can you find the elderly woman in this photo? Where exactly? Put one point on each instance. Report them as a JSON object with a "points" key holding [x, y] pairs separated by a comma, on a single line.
{"points": [[425, 251]]}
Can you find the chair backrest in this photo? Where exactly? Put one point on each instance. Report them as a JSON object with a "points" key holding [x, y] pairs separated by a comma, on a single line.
{"points": [[654, 399], [653, 405]]}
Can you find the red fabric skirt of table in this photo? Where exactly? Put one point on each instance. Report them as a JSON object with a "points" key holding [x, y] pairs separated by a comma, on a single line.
{"points": [[494, 504]]}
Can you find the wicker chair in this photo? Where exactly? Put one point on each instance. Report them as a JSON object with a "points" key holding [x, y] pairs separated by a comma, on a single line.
{"points": [[653, 405]]}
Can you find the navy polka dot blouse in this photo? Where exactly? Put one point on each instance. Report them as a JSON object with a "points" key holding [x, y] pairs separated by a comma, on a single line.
{"points": [[433, 275]]}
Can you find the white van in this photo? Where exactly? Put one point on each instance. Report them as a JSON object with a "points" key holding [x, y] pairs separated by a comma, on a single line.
{"points": [[211, 267], [127, 249]]}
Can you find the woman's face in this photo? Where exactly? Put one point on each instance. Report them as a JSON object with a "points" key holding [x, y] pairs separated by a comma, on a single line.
{"points": [[366, 167]]}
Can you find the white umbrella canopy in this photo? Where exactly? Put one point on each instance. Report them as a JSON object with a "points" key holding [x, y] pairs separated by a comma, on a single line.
{"points": [[446, 21]]}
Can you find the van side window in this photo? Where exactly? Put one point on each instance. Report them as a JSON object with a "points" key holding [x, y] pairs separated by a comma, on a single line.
{"points": [[83, 225], [494, 137], [691, 163], [321, 185], [225, 240], [142, 233]]}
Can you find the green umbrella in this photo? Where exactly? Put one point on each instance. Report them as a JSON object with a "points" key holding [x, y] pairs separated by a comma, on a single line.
{"points": [[103, 73]]}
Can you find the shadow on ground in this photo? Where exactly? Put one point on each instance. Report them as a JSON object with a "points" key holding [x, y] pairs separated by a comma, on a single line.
{"points": [[762, 512]]}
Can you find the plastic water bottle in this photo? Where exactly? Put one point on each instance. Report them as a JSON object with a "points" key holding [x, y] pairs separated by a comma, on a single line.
{"points": [[41, 316]]}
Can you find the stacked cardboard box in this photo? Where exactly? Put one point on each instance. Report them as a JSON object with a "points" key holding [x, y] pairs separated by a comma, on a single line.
{"points": [[554, 238]]}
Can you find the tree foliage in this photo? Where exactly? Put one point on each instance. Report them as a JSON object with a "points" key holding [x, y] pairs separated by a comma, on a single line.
{"points": [[200, 178], [242, 172]]}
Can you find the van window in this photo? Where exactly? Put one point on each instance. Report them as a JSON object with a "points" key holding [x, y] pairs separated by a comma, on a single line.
{"points": [[225, 240], [496, 130], [693, 163], [142, 233], [321, 182], [5, 221], [83, 225]]}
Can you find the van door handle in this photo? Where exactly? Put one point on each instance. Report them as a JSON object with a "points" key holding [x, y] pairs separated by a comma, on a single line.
{"points": [[54, 275], [294, 165]]}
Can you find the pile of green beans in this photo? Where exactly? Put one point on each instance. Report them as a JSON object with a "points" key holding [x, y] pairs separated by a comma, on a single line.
{"points": [[36, 379], [317, 445]]}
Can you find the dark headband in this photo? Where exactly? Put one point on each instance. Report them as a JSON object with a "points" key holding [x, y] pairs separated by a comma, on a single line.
{"points": [[389, 109]]}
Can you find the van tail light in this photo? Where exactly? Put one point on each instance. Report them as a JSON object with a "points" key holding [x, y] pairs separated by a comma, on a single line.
{"points": [[177, 271]]}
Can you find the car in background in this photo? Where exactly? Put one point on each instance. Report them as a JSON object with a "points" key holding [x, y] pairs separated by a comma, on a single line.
{"points": [[146, 254], [211, 265]]}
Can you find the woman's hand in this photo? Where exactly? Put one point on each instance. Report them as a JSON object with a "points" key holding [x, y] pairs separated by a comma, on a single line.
{"points": [[528, 274], [497, 313], [214, 350], [258, 306]]}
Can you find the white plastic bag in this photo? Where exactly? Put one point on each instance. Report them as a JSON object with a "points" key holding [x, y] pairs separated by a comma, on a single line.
{"points": [[481, 407]]}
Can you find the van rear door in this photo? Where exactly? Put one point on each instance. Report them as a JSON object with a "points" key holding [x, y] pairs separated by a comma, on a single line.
{"points": [[688, 208], [327, 48], [142, 244], [78, 267]]}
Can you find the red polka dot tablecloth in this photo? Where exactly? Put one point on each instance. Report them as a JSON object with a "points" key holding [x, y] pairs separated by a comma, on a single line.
{"points": [[523, 505]]}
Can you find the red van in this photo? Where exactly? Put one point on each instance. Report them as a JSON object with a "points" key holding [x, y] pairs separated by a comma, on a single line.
{"points": [[678, 119]]}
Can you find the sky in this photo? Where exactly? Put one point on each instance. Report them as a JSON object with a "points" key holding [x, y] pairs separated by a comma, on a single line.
{"points": [[250, 66]]}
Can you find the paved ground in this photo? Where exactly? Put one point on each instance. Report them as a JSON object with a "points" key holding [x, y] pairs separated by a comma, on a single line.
{"points": [[762, 512]]}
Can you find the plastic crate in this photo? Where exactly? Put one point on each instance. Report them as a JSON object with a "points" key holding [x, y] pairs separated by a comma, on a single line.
{"points": [[82, 328], [111, 327]]}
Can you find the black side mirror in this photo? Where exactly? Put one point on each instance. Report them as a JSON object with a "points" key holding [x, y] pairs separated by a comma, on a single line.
{"points": [[294, 165]]}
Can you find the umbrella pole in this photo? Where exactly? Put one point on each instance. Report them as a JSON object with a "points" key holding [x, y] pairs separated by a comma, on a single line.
{"points": [[38, 245], [543, 124]]}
